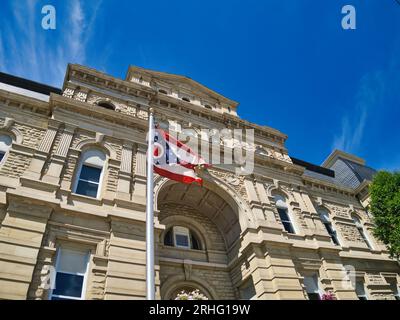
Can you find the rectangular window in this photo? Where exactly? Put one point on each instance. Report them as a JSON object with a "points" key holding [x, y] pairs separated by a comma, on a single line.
{"points": [[311, 284], [89, 180], [287, 224], [2, 154], [182, 237], [360, 290], [71, 270], [394, 287]]}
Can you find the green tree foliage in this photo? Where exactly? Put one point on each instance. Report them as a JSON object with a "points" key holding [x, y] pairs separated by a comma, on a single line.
{"points": [[385, 207]]}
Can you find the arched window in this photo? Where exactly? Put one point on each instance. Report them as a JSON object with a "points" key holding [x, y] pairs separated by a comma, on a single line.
{"points": [[361, 230], [106, 105], [90, 173], [207, 106], [182, 237], [186, 99], [5, 144], [324, 215], [283, 211]]}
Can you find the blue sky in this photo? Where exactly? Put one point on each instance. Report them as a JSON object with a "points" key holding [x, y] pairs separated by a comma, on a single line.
{"points": [[288, 62]]}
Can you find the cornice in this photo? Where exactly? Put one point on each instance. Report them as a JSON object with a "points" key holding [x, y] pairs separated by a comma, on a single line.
{"points": [[326, 184], [22, 102], [94, 77], [97, 112]]}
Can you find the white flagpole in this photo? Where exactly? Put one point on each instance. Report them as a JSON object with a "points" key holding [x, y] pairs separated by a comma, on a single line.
{"points": [[150, 276]]}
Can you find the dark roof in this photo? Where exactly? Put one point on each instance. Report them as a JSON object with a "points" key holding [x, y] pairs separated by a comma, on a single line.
{"points": [[351, 173], [313, 167], [28, 84], [344, 172]]}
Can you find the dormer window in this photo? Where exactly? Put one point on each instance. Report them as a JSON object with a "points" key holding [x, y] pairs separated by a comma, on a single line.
{"points": [[106, 105]]}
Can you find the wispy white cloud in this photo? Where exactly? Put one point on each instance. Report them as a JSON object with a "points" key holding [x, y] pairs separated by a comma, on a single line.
{"points": [[369, 95], [43, 55]]}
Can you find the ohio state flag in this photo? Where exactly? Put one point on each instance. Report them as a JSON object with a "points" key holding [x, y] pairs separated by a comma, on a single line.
{"points": [[174, 160]]}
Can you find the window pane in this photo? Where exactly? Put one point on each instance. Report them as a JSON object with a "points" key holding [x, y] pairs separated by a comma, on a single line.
{"points": [[288, 227], [168, 241], [90, 174], [72, 261], [313, 296], [182, 240], [360, 289], [283, 215], [61, 299], [195, 243], [332, 233], [68, 285], [311, 284], [1, 155], [87, 189], [365, 238], [5, 142]]}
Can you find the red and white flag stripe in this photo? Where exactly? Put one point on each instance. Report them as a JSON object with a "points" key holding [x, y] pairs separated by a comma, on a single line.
{"points": [[175, 160]]}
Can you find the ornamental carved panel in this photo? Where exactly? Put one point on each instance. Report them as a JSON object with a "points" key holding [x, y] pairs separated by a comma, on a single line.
{"points": [[236, 182]]}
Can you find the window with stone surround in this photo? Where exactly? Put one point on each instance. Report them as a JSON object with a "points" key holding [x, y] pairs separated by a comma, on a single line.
{"points": [[324, 215], [5, 144], [106, 105], [360, 289], [90, 173], [362, 231], [312, 287], [394, 286], [283, 211], [182, 237], [71, 275]]}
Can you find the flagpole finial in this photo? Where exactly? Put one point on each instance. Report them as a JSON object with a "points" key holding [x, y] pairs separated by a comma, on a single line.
{"points": [[151, 110]]}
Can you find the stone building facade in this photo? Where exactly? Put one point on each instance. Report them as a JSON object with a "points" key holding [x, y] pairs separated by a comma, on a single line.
{"points": [[72, 202]]}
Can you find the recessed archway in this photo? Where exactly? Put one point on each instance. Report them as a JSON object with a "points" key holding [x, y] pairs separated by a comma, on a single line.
{"points": [[216, 221]]}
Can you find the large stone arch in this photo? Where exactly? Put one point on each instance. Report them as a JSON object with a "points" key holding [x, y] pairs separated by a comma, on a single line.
{"points": [[216, 212], [220, 187], [174, 283]]}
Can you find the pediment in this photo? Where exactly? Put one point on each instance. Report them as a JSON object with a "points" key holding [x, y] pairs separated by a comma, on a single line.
{"points": [[178, 84]]}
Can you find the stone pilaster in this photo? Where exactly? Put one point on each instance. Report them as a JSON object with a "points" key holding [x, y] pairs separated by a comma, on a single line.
{"points": [[336, 277], [139, 191], [126, 274], [39, 158], [125, 172], [266, 204], [58, 160], [21, 235], [255, 203]]}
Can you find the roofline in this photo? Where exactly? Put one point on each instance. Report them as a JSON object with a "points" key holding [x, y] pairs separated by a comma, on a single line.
{"points": [[28, 84], [131, 68], [341, 154], [313, 167]]}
